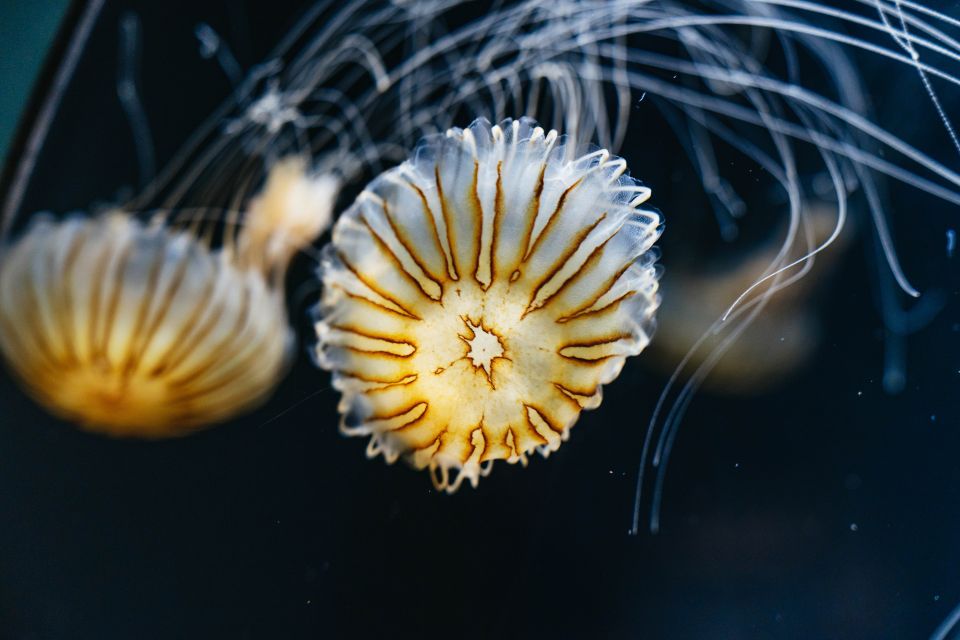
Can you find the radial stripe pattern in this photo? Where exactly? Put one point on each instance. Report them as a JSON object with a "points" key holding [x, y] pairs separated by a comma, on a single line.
{"points": [[477, 297], [129, 329]]}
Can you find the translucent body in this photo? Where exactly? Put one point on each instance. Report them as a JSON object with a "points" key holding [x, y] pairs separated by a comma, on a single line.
{"points": [[122, 327], [139, 330], [478, 296]]}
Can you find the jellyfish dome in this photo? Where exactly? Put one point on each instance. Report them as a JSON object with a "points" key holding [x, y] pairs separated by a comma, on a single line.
{"points": [[133, 328], [477, 296]]}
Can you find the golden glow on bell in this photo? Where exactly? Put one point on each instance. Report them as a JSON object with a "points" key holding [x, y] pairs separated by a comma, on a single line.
{"points": [[478, 296], [134, 329]]}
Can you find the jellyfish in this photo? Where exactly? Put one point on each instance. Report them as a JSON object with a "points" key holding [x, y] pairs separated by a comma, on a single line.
{"points": [[781, 340], [478, 296], [133, 327]]}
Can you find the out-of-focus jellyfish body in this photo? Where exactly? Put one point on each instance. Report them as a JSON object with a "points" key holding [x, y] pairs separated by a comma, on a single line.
{"points": [[136, 328], [780, 341], [477, 297]]}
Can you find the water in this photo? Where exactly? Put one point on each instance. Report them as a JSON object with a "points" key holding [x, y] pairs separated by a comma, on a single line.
{"points": [[818, 506]]}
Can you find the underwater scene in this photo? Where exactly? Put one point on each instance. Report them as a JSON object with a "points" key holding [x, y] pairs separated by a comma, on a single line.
{"points": [[480, 319]]}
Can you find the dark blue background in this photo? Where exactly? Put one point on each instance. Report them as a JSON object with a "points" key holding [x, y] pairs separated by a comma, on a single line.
{"points": [[275, 526]]}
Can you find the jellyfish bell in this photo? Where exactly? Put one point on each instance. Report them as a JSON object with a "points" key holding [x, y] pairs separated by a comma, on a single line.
{"points": [[781, 341], [478, 296], [134, 328]]}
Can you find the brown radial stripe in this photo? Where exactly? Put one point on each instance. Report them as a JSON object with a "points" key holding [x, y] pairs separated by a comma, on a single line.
{"points": [[551, 220], [604, 288], [360, 298], [351, 329], [532, 428], [533, 208], [476, 208], [446, 221], [561, 262], [405, 380], [447, 258], [395, 259], [497, 217], [373, 288], [595, 313], [406, 244], [400, 413], [576, 392]]}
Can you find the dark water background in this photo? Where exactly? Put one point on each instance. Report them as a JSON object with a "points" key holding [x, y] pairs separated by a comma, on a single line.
{"points": [[823, 508]]}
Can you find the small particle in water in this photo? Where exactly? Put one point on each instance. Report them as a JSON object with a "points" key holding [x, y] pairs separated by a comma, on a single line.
{"points": [[854, 527], [933, 418], [736, 465], [859, 393], [951, 242], [936, 597]]}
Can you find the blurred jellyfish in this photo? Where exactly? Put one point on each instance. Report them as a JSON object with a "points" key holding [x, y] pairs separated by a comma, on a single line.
{"points": [[152, 323], [477, 297], [134, 329], [781, 339]]}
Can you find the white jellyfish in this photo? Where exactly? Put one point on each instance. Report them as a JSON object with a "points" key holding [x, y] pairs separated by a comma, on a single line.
{"points": [[477, 297]]}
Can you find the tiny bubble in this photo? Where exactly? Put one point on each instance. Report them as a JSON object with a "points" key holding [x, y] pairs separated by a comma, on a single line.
{"points": [[854, 527], [933, 418], [936, 598], [859, 393]]}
